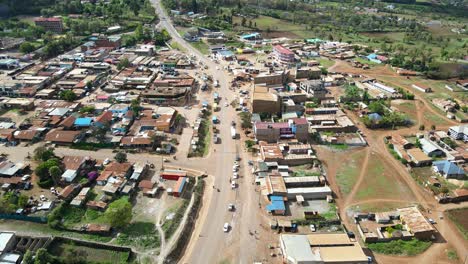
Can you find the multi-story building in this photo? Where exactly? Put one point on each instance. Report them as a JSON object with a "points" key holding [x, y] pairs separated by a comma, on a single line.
{"points": [[53, 24], [272, 132], [283, 54], [314, 87]]}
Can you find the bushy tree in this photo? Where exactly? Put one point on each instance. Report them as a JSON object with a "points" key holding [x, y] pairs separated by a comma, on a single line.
{"points": [[68, 95], [43, 153], [119, 213], [121, 157]]}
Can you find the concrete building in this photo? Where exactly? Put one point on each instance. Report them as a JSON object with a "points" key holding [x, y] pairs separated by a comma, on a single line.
{"points": [[272, 132], [283, 55], [53, 24], [264, 101], [316, 88]]}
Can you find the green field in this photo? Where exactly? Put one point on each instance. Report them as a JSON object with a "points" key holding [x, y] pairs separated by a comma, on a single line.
{"points": [[325, 62], [400, 247], [142, 235], [201, 46]]}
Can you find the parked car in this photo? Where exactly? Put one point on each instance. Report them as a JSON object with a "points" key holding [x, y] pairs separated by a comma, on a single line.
{"points": [[233, 184], [432, 221], [226, 227], [231, 207], [234, 168], [106, 161], [26, 177], [312, 228], [235, 175]]}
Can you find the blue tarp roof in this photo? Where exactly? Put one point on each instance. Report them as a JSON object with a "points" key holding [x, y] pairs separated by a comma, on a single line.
{"points": [[276, 206], [372, 56], [225, 53], [214, 118], [251, 35], [276, 198], [83, 121], [448, 168]]}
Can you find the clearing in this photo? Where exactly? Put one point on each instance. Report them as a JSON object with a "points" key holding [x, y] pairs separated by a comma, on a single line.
{"points": [[347, 175], [460, 218]]}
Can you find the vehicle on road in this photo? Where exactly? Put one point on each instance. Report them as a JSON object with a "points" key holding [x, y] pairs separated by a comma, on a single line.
{"points": [[235, 175], [233, 133], [233, 123], [226, 227], [236, 164], [233, 184], [432, 221], [231, 207], [106, 161], [251, 162], [235, 168]]}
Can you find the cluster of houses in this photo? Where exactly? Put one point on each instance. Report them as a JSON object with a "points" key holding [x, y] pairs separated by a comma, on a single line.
{"points": [[445, 151]]}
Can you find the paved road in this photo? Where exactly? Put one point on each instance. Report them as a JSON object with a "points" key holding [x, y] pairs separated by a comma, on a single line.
{"points": [[214, 244]]}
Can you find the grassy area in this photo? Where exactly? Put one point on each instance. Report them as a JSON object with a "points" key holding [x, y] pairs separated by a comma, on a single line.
{"points": [[176, 46], [300, 173], [270, 25], [400, 247], [460, 218], [325, 62], [452, 254], [201, 46], [139, 234], [65, 251], [409, 109], [366, 61], [339, 146], [331, 214], [347, 174]]}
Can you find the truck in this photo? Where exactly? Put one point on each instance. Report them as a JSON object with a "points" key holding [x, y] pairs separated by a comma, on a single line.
{"points": [[233, 132]]}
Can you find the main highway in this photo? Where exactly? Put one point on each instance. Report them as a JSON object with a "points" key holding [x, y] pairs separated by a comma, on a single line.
{"points": [[212, 245]]}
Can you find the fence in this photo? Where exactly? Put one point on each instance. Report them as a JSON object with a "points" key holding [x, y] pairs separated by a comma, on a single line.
{"points": [[35, 219]]}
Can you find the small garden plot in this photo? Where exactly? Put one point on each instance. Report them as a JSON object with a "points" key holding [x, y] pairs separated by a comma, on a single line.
{"points": [[400, 247], [142, 235], [86, 254]]}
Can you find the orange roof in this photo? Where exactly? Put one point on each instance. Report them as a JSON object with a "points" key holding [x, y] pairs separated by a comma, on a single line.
{"points": [[105, 117], [62, 136], [68, 122]]}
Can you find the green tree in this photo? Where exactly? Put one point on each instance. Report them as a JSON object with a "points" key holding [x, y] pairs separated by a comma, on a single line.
{"points": [[68, 95], [22, 200], [121, 157], [55, 172], [43, 257], [135, 106], [119, 213], [28, 257], [376, 107], [27, 47], [124, 63], [43, 153], [87, 109], [422, 127]]}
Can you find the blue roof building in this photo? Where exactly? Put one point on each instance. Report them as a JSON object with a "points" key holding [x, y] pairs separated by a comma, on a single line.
{"points": [[83, 122], [251, 36], [448, 169], [276, 206], [375, 117]]}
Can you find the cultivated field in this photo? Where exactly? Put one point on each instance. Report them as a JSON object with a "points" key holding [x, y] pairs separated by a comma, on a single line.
{"points": [[460, 219]]}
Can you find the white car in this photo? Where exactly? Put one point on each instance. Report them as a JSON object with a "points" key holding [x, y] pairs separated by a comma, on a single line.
{"points": [[234, 168], [43, 198], [26, 177], [226, 104], [233, 184], [312, 228], [106, 161], [226, 227], [235, 175], [236, 164], [231, 207], [432, 221]]}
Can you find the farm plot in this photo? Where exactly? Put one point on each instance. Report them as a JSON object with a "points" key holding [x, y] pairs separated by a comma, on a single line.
{"points": [[460, 218]]}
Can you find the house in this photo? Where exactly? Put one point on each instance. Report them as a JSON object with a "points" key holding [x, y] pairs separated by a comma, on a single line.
{"points": [[103, 119], [418, 157], [448, 169], [31, 134], [11, 169], [96, 205], [264, 101], [415, 222], [63, 137], [115, 169], [173, 175], [180, 186], [81, 197], [444, 104], [83, 122], [67, 123], [316, 88], [459, 132], [430, 148], [422, 87], [69, 191], [401, 141], [277, 206]]}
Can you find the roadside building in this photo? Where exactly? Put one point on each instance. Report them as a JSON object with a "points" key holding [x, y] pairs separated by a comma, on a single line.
{"points": [[309, 193], [430, 149], [63, 137], [316, 88], [422, 87], [416, 223], [264, 101], [297, 128], [459, 132]]}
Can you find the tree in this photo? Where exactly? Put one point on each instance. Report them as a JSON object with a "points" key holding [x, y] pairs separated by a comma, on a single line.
{"points": [[243, 21], [55, 172], [43, 257], [119, 213], [444, 189], [121, 157], [433, 127], [75, 256], [27, 47], [42, 170], [87, 109], [422, 127], [124, 63], [68, 95], [28, 257], [418, 143], [135, 106], [43, 153], [376, 107]]}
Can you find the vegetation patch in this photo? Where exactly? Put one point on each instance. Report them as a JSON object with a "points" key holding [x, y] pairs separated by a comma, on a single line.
{"points": [[411, 247], [460, 218], [170, 226], [69, 251], [139, 234], [347, 174]]}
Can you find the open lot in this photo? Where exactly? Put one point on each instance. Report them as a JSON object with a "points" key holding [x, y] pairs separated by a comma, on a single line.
{"points": [[273, 27], [347, 174], [381, 183]]}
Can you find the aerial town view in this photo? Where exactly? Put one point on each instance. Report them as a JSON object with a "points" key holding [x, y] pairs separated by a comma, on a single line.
{"points": [[233, 131]]}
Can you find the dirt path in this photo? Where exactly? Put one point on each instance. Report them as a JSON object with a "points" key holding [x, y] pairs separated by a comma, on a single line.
{"points": [[362, 175]]}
